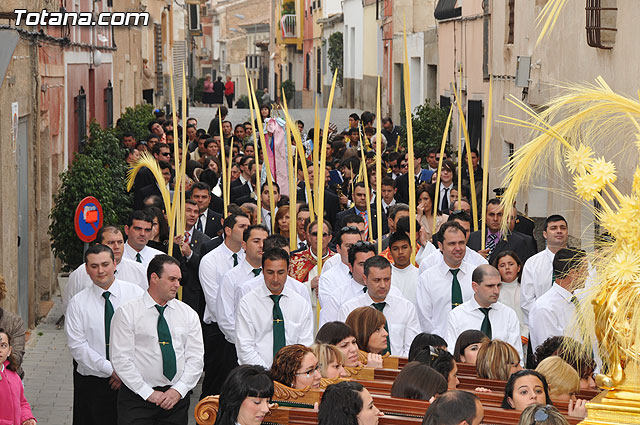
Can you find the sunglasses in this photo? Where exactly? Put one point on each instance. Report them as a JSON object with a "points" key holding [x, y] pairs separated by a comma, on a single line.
{"points": [[165, 154], [347, 228], [315, 234]]}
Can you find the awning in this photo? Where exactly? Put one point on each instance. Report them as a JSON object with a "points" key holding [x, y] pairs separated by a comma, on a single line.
{"points": [[446, 9]]}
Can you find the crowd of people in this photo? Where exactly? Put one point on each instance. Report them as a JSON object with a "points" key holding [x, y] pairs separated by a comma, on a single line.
{"points": [[240, 303]]}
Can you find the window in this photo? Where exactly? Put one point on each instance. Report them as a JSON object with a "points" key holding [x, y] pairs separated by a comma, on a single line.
{"points": [[601, 23], [510, 20]]}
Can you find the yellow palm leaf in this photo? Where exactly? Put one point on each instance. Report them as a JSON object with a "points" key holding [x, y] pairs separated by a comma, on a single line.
{"points": [[146, 160]]}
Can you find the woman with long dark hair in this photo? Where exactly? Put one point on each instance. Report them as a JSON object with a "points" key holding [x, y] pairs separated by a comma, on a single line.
{"points": [[347, 403], [245, 396]]}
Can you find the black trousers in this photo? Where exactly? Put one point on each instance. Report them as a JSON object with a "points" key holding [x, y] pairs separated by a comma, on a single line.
{"points": [[133, 410], [147, 95], [230, 99], [94, 402], [220, 359]]}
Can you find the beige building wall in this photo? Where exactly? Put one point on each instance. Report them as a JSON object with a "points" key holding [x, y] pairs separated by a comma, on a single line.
{"points": [[563, 56], [127, 61]]}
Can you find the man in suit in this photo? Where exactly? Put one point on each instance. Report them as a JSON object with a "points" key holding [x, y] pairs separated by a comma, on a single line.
{"points": [[152, 189], [419, 175], [360, 208], [331, 200], [498, 241], [190, 244], [246, 193], [247, 169], [209, 222]]}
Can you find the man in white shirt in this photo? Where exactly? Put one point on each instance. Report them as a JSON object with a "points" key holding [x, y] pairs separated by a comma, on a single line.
{"points": [[404, 275], [213, 267], [483, 312], [402, 321], [470, 256], [272, 315], [554, 312], [330, 280], [126, 270], [87, 325], [250, 267], [157, 350], [266, 205], [138, 231], [537, 273], [447, 284]]}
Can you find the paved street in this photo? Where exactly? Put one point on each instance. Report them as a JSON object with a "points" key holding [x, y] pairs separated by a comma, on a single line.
{"points": [[237, 116], [48, 373]]}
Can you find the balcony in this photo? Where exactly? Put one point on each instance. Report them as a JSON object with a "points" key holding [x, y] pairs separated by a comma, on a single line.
{"points": [[289, 27]]}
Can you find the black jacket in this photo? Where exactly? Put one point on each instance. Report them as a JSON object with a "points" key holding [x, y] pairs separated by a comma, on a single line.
{"points": [[524, 246]]}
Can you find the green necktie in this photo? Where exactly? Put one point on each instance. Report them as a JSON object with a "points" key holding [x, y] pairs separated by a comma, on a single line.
{"points": [[574, 300], [278, 325], [456, 291], [380, 307], [138, 258], [108, 315], [486, 323], [257, 271], [364, 290], [166, 347], [235, 259]]}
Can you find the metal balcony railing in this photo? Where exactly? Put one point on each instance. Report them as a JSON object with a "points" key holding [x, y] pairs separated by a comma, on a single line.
{"points": [[289, 26]]}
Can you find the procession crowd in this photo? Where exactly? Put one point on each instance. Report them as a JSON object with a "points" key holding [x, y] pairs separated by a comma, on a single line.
{"points": [[241, 303]]}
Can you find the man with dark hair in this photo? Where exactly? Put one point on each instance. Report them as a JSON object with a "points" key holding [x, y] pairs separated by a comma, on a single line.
{"points": [[393, 162], [402, 322], [446, 284], [432, 161], [265, 203], [498, 241], [157, 350], [485, 313], [537, 273], [416, 174], [219, 367], [554, 311], [331, 200], [404, 275], [272, 315], [213, 267], [331, 279], [87, 326], [360, 208], [127, 270], [209, 222], [455, 408], [190, 245], [128, 140], [302, 216], [447, 176], [388, 193], [138, 231], [247, 164], [390, 132]]}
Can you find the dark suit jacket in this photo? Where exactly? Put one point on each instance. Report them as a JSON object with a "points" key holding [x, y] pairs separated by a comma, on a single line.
{"points": [[210, 245], [216, 204], [214, 224], [238, 192], [524, 225], [191, 289], [402, 184], [373, 221], [140, 195], [235, 183], [524, 246], [331, 203]]}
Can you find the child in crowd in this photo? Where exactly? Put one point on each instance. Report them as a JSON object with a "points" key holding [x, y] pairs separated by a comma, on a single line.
{"points": [[14, 408]]}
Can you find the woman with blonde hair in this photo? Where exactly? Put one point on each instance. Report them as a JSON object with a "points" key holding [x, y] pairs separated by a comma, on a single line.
{"points": [[497, 360], [330, 360], [368, 325], [540, 414]]}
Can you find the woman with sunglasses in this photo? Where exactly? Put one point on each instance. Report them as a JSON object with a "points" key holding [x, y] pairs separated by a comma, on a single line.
{"points": [[297, 367]]}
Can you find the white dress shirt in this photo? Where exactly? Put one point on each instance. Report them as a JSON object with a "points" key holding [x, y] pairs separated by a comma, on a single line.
{"points": [[266, 217], [146, 254], [225, 306], [202, 218], [386, 207], [505, 325], [510, 296], [424, 251], [537, 277], [442, 191], [435, 257], [401, 316], [328, 285], [433, 295], [127, 270], [254, 324], [331, 263], [406, 280], [212, 267], [85, 328], [135, 349], [551, 315], [243, 288], [347, 290]]}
